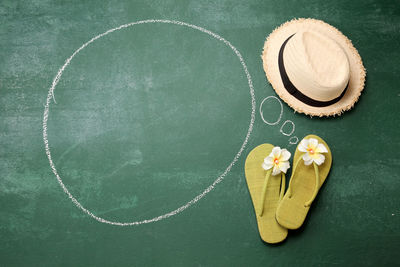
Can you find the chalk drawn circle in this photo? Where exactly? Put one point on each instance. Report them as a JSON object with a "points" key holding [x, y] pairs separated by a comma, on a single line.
{"points": [[293, 142], [283, 125], [280, 114], [50, 96]]}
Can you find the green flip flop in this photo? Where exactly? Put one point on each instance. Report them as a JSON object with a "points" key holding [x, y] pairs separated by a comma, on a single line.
{"points": [[312, 163], [266, 183]]}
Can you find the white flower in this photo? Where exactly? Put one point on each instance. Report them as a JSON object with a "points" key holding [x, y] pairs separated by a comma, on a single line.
{"points": [[312, 151], [278, 159]]}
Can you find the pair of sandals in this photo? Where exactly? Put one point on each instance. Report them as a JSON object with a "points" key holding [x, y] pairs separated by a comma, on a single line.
{"points": [[265, 170]]}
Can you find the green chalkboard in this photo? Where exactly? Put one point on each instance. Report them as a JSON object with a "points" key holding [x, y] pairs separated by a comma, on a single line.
{"points": [[147, 127]]}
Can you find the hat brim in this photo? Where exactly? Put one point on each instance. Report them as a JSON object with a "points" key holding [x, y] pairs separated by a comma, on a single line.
{"points": [[270, 63]]}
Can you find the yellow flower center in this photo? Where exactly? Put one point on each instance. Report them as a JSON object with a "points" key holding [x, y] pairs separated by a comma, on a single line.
{"points": [[276, 160], [310, 150]]}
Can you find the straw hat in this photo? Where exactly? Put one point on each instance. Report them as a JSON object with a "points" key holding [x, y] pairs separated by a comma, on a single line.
{"points": [[313, 67]]}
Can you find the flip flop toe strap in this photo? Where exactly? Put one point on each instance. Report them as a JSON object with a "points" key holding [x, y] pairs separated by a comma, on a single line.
{"points": [[283, 185], [316, 187], [264, 190]]}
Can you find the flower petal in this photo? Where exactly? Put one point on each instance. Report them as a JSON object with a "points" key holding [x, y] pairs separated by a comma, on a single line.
{"points": [[276, 170], [308, 162], [307, 159], [268, 163], [285, 155], [306, 156], [284, 166], [320, 159], [266, 166], [313, 143], [303, 145], [321, 149], [269, 159], [276, 151], [314, 156]]}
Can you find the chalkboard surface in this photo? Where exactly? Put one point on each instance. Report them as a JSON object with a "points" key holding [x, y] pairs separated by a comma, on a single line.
{"points": [[147, 118]]}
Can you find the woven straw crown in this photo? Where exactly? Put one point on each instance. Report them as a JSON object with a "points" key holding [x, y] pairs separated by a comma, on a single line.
{"points": [[313, 67]]}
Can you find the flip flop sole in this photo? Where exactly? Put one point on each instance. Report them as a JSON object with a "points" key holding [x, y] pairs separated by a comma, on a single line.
{"points": [[291, 211], [269, 229]]}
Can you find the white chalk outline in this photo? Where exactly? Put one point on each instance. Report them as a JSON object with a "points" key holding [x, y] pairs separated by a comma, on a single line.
{"points": [[50, 96], [279, 120], [297, 140], [283, 125], [280, 115]]}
